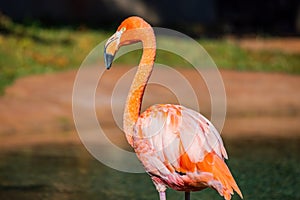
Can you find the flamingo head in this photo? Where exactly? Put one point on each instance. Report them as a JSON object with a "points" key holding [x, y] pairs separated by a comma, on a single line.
{"points": [[127, 33]]}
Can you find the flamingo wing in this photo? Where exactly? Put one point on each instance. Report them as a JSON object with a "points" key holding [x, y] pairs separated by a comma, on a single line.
{"points": [[181, 149]]}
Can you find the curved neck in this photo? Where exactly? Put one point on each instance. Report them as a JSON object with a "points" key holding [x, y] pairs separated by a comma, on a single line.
{"points": [[135, 95]]}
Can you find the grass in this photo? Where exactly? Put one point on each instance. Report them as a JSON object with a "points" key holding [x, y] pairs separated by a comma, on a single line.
{"points": [[28, 50], [230, 56], [34, 49], [264, 168]]}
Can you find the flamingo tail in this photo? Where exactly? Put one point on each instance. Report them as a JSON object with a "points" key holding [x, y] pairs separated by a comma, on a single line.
{"points": [[222, 174]]}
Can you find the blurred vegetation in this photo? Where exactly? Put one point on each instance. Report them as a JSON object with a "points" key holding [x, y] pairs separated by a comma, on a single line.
{"points": [[264, 168], [33, 49]]}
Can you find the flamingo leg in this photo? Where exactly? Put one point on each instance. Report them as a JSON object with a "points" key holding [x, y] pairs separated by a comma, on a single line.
{"points": [[162, 196], [187, 195]]}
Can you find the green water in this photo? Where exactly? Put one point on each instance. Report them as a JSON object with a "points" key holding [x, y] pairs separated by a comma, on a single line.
{"points": [[264, 169]]}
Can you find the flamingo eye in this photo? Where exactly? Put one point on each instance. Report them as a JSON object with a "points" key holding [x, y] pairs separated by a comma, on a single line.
{"points": [[123, 29]]}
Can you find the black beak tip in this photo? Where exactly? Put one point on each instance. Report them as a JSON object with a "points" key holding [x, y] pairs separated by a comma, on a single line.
{"points": [[108, 59]]}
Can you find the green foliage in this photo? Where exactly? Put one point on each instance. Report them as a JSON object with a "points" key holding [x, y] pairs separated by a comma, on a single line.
{"points": [[230, 56], [33, 49]]}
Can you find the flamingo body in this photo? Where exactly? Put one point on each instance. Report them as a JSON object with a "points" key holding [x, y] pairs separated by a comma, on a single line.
{"points": [[178, 147], [181, 149]]}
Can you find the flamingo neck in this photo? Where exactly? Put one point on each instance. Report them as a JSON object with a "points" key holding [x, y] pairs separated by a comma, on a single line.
{"points": [[136, 92]]}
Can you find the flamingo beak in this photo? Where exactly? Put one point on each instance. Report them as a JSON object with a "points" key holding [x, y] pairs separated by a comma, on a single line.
{"points": [[108, 59], [110, 49]]}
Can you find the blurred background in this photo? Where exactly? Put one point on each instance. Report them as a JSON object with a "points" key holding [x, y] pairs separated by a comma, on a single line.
{"points": [[215, 17], [255, 44]]}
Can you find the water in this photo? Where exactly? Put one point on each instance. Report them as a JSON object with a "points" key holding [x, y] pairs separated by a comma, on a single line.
{"points": [[264, 169]]}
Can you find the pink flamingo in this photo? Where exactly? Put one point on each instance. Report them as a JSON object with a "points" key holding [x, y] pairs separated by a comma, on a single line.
{"points": [[178, 147]]}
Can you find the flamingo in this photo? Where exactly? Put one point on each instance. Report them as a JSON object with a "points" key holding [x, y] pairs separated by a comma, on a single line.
{"points": [[178, 147]]}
